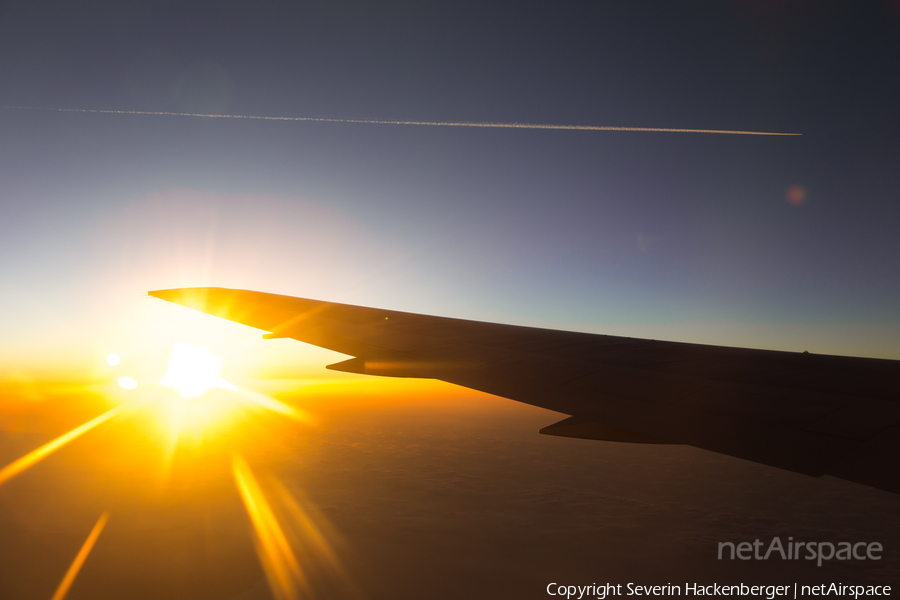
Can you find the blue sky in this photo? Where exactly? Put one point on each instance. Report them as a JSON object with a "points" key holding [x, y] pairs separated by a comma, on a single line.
{"points": [[672, 236]]}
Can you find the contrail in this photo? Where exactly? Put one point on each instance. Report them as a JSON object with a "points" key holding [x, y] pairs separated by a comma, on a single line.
{"points": [[426, 123]]}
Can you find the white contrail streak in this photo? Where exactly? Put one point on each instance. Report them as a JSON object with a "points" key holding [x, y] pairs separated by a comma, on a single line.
{"points": [[427, 123]]}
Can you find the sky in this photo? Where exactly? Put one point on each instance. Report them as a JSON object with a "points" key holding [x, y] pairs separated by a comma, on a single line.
{"points": [[671, 236], [785, 243]]}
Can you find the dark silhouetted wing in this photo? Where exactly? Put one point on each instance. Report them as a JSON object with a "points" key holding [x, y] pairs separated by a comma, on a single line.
{"points": [[807, 413]]}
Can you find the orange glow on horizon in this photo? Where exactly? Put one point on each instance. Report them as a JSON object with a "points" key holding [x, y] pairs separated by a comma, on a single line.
{"points": [[222, 416]]}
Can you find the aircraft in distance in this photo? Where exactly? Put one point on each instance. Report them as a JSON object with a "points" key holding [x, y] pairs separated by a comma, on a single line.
{"points": [[808, 413]]}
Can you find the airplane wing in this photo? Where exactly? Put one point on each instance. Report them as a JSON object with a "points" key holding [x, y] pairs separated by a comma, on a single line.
{"points": [[808, 413]]}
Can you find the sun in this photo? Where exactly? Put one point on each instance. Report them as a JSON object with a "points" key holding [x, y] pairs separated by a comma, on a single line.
{"points": [[193, 370]]}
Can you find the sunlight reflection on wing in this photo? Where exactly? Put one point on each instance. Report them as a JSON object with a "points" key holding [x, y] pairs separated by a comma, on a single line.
{"points": [[82, 555], [17, 466]]}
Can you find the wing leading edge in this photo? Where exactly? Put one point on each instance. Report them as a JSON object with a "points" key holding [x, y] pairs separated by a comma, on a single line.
{"points": [[812, 414]]}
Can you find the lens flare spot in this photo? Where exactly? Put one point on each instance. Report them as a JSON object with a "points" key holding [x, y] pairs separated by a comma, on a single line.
{"points": [[795, 195], [113, 359], [127, 383], [193, 370]]}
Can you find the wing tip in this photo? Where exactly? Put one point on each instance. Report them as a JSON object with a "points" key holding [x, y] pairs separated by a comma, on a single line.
{"points": [[192, 297], [161, 294]]}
